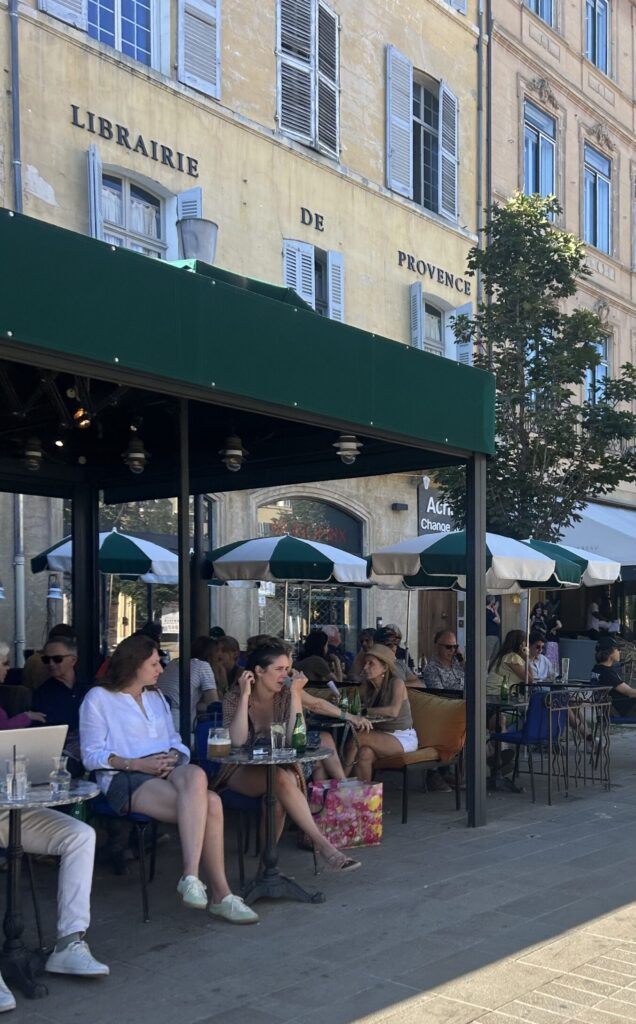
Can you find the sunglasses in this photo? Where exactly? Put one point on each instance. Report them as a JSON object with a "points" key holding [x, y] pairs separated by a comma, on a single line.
{"points": [[57, 659], [450, 647]]}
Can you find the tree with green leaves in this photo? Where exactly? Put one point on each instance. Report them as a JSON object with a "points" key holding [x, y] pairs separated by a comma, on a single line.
{"points": [[565, 430]]}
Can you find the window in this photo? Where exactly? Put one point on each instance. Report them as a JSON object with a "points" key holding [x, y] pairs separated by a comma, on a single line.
{"points": [[422, 133], [597, 199], [308, 73], [124, 24], [316, 275], [539, 136], [131, 214], [433, 328], [597, 18], [543, 8], [594, 375]]}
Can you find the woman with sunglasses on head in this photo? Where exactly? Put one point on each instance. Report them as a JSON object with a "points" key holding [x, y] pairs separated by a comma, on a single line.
{"points": [[26, 718], [445, 669]]}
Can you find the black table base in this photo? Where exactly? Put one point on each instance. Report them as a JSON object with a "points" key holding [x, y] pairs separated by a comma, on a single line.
{"points": [[20, 967]]}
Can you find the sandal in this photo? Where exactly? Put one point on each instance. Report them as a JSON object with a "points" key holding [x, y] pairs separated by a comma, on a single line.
{"points": [[340, 862]]}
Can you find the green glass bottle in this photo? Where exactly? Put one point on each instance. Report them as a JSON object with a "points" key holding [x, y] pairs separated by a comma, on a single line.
{"points": [[299, 735], [356, 704], [504, 692]]}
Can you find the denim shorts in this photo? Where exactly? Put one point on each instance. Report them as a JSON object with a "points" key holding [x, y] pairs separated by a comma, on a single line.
{"points": [[122, 787]]}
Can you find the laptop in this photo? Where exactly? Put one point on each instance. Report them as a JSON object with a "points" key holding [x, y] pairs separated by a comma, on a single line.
{"points": [[40, 744]]}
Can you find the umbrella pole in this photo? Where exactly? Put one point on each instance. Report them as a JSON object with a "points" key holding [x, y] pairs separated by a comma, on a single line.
{"points": [[528, 593], [406, 633], [285, 610], [309, 612]]}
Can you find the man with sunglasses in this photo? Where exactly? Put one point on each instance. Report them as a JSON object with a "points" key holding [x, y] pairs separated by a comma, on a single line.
{"points": [[60, 696], [445, 669]]}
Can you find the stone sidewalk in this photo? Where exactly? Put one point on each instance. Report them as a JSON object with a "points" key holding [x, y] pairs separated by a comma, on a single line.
{"points": [[527, 919]]}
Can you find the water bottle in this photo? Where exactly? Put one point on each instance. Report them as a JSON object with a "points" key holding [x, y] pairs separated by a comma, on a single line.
{"points": [[60, 779]]}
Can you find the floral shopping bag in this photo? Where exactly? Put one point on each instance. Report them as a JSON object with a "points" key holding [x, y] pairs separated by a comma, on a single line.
{"points": [[348, 812]]}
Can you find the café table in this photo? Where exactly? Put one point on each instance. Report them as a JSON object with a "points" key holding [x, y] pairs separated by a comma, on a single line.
{"points": [[19, 965], [270, 883]]}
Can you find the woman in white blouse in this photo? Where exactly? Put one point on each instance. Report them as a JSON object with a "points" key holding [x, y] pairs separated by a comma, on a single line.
{"points": [[128, 738]]}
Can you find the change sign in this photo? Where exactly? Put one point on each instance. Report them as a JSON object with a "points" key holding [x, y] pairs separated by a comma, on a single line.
{"points": [[433, 513]]}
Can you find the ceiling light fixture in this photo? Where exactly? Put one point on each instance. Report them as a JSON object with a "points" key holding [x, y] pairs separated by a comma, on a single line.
{"points": [[82, 418], [347, 447], [33, 454], [233, 455], [135, 455], [59, 443]]}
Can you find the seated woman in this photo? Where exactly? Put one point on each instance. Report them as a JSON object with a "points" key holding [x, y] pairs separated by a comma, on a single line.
{"points": [[510, 665], [262, 697], [128, 739], [26, 718], [385, 695], [606, 673], [316, 657]]}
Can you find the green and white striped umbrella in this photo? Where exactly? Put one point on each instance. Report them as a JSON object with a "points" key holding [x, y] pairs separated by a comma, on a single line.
{"points": [[119, 554], [595, 570], [286, 558], [510, 564]]}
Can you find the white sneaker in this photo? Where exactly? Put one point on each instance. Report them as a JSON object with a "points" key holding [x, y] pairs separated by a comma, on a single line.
{"points": [[7, 1002], [193, 892], [233, 909], [76, 958]]}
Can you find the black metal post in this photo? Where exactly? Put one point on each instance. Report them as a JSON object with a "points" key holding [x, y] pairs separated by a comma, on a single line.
{"points": [[183, 515], [86, 576], [476, 640], [199, 589]]}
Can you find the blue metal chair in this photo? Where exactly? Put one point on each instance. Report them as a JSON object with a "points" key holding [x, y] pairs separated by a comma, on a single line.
{"points": [[141, 823], [244, 807], [541, 728]]}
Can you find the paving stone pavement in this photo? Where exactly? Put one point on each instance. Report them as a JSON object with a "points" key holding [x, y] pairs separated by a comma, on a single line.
{"points": [[527, 919]]}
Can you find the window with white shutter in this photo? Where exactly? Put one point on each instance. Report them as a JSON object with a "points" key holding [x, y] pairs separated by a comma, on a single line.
{"points": [[335, 286], [95, 219], [433, 329], [457, 5], [416, 314], [199, 45], [73, 12], [308, 55], [448, 151], [399, 122], [298, 269], [317, 276], [190, 203], [461, 352]]}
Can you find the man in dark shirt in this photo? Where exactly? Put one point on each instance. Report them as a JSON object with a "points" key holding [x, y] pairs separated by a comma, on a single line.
{"points": [[60, 696], [605, 673]]}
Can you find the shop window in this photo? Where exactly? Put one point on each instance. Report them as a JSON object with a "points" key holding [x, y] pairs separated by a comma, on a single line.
{"points": [[316, 275], [308, 53], [544, 9], [597, 26], [129, 213], [597, 186], [539, 151], [422, 135], [595, 375], [433, 328]]}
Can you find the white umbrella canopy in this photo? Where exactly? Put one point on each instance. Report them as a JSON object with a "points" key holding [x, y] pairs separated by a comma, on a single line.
{"points": [[511, 564], [285, 558], [596, 570], [120, 554]]}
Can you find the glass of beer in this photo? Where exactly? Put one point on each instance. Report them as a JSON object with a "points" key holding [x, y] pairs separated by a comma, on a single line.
{"points": [[219, 743]]}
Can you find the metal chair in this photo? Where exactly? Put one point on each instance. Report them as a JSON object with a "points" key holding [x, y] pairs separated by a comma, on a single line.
{"points": [[142, 824], [545, 721]]}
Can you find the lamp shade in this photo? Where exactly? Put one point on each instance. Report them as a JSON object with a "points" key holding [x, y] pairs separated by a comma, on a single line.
{"points": [[197, 239]]}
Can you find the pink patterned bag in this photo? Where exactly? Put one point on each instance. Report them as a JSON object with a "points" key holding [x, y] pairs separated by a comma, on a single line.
{"points": [[349, 812]]}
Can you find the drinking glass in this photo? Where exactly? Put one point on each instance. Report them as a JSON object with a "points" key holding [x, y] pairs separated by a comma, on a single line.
{"points": [[60, 778], [19, 767], [565, 671], [219, 743], [277, 731]]}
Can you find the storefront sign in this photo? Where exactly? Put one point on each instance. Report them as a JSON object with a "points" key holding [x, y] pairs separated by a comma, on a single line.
{"points": [[122, 136], [432, 271], [308, 218], [434, 515]]}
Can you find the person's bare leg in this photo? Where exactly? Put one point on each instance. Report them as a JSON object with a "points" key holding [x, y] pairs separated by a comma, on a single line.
{"points": [[373, 746], [331, 767], [213, 856], [252, 781], [182, 798]]}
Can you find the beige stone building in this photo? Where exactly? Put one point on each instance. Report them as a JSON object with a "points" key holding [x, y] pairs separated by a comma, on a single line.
{"points": [[334, 144]]}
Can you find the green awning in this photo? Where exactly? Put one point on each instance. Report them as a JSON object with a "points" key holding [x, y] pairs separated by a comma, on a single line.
{"points": [[112, 313]]}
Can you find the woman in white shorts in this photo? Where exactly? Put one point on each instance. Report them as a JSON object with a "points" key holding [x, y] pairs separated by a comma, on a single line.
{"points": [[385, 696]]}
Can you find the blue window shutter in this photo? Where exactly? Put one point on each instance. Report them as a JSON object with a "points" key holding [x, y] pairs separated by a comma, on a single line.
{"points": [[73, 12], [335, 288], [299, 270], [458, 5], [190, 203], [448, 151], [399, 123], [416, 313], [95, 219], [199, 45], [462, 353]]}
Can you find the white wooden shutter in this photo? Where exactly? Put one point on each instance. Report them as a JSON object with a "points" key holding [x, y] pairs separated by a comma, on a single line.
{"points": [[296, 66], [190, 203], [298, 269], [73, 12], [462, 353], [199, 45], [458, 5], [416, 312], [95, 219], [448, 151], [335, 286], [327, 98], [399, 123]]}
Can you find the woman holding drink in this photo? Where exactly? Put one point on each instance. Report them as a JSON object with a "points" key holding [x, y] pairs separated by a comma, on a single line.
{"points": [[128, 739], [260, 699]]}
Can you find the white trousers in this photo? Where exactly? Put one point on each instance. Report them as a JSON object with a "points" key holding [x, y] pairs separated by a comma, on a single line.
{"points": [[49, 832]]}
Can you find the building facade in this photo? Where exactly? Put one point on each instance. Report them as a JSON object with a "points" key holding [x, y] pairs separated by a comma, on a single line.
{"points": [[336, 146]]}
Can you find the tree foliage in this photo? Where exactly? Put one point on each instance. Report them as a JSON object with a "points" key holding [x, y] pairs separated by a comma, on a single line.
{"points": [[560, 442]]}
